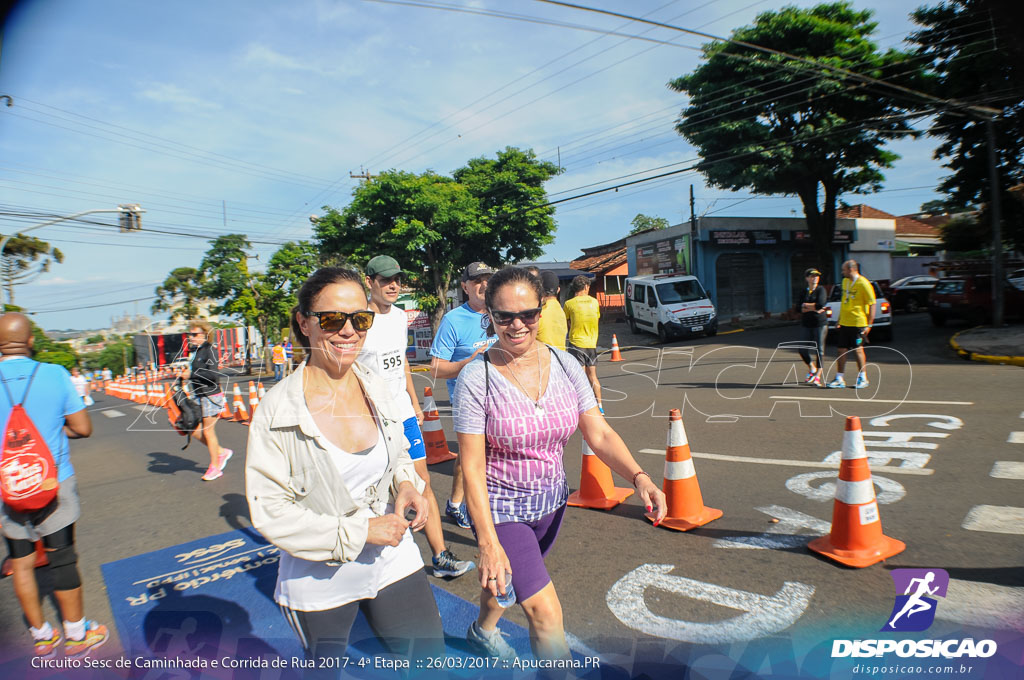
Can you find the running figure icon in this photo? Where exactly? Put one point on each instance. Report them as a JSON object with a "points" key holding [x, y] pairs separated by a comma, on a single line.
{"points": [[915, 603]]}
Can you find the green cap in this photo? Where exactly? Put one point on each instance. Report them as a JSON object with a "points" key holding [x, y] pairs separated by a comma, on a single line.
{"points": [[383, 265]]}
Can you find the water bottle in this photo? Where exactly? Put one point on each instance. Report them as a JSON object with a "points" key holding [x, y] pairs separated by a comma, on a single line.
{"points": [[508, 598]]}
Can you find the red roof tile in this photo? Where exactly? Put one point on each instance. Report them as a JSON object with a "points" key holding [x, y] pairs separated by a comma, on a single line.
{"points": [[905, 225]]}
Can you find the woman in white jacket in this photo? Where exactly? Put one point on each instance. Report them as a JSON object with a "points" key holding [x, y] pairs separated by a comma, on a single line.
{"points": [[326, 451]]}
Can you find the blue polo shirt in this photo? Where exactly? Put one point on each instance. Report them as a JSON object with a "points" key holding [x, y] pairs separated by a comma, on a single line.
{"points": [[50, 398], [462, 332]]}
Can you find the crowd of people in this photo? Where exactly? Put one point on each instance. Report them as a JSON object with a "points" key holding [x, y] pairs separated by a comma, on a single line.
{"points": [[335, 469]]}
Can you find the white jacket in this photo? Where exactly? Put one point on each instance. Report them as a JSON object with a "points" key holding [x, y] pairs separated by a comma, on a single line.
{"points": [[297, 499]]}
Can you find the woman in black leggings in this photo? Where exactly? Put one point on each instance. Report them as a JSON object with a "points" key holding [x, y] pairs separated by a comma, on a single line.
{"points": [[812, 326]]}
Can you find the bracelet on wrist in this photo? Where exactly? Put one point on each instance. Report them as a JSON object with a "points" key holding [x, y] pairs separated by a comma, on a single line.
{"points": [[637, 475]]}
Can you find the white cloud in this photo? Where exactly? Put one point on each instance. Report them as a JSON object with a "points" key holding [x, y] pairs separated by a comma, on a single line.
{"points": [[178, 97]]}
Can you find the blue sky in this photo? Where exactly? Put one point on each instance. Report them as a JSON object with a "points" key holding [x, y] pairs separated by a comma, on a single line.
{"points": [[247, 117]]}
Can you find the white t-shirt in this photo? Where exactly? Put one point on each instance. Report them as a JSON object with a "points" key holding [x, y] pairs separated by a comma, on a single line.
{"points": [[314, 586], [80, 383], [384, 353]]}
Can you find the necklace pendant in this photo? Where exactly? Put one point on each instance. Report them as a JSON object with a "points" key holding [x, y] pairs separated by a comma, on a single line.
{"points": [[538, 410]]}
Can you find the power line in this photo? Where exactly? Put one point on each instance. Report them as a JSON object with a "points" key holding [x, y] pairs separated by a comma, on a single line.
{"points": [[106, 304]]}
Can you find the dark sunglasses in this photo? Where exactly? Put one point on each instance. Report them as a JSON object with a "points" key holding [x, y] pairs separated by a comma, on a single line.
{"points": [[335, 321], [527, 316]]}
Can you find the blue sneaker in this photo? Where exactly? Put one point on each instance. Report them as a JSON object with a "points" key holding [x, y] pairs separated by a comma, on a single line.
{"points": [[836, 383], [459, 515], [862, 382]]}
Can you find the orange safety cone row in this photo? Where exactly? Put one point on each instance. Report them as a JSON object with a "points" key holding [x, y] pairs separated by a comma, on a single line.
{"points": [[616, 355], [686, 509], [241, 415], [433, 434], [856, 537], [596, 487]]}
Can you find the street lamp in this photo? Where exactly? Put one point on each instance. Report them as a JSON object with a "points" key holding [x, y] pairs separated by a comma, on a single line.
{"points": [[130, 219]]}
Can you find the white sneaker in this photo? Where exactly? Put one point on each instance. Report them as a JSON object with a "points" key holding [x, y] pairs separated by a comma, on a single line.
{"points": [[491, 644]]}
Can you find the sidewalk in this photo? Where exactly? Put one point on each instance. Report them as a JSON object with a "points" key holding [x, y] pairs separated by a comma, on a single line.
{"points": [[992, 345]]}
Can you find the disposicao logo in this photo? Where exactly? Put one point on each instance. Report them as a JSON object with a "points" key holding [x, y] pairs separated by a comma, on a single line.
{"points": [[914, 610]]}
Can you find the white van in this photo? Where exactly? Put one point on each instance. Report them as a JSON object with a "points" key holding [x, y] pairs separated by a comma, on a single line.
{"points": [[669, 305]]}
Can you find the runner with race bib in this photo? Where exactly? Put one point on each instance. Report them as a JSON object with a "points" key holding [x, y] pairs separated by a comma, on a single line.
{"points": [[384, 352]]}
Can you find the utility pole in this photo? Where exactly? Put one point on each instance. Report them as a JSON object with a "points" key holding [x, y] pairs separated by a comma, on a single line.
{"points": [[363, 174], [693, 232]]}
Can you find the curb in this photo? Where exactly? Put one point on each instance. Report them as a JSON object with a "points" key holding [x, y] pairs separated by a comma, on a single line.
{"points": [[986, 358]]}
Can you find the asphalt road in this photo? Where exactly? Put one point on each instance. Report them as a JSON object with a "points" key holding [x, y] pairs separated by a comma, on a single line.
{"points": [[940, 432]]}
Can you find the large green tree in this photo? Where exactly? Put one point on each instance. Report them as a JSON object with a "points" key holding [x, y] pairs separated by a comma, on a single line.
{"points": [[643, 223], [770, 124], [260, 299], [180, 294], [25, 258], [435, 225], [975, 51]]}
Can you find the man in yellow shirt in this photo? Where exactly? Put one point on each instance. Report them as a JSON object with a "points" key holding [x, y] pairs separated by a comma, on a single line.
{"points": [[583, 313], [856, 314], [553, 327]]}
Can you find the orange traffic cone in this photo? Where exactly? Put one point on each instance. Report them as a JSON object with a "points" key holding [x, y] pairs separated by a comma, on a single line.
{"points": [[433, 434], [241, 415], [686, 509], [225, 413], [596, 487], [856, 538], [616, 355], [253, 399]]}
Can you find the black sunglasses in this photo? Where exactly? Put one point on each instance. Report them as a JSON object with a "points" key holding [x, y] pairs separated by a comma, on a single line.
{"points": [[333, 322], [527, 316]]}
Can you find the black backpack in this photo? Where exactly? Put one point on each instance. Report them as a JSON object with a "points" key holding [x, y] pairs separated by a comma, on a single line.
{"points": [[191, 415]]}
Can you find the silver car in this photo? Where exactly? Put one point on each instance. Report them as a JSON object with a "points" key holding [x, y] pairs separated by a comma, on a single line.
{"points": [[881, 329]]}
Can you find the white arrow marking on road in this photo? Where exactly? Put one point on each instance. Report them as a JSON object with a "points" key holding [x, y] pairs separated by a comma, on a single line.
{"points": [[790, 523], [1000, 519], [113, 413], [1015, 438], [889, 491], [983, 604], [763, 615], [951, 422], [1007, 469]]}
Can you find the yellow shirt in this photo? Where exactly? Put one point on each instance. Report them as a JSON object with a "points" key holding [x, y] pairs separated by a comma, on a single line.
{"points": [[553, 326], [858, 296], [583, 312]]}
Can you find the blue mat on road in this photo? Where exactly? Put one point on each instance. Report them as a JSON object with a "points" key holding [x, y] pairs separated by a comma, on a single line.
{"points": [[213, 598]]}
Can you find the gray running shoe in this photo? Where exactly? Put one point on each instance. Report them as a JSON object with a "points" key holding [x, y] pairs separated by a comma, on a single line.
{"points": [[490, 644], [459, 514], [447, 564]]}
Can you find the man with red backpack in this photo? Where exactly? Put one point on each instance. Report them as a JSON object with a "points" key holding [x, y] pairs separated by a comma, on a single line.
{"points": [[40, 411]]}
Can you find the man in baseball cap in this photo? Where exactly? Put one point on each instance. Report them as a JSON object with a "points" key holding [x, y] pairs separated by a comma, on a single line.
{"points": [[384, 266], [476, 269]]}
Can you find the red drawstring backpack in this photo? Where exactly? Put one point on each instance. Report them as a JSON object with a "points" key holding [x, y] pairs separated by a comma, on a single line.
{"points": [[28, 474]]}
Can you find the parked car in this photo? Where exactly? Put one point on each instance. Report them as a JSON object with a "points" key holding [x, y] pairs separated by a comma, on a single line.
{"points": [[669, 305], [881, 328], [970, 297], [911, 293]]}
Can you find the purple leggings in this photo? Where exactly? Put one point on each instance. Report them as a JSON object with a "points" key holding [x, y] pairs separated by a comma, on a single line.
{"points": [[526, 544]]}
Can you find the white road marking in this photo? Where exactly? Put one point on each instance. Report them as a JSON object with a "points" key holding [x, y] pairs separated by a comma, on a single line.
{"points": [[877, 401], [762, 615], [1007, 469], [782, 535], [889, 491], [951, 422], [1000, 519], [795, 463], [144, 407], [113, 413], [1015, 438], [983, 604]]}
